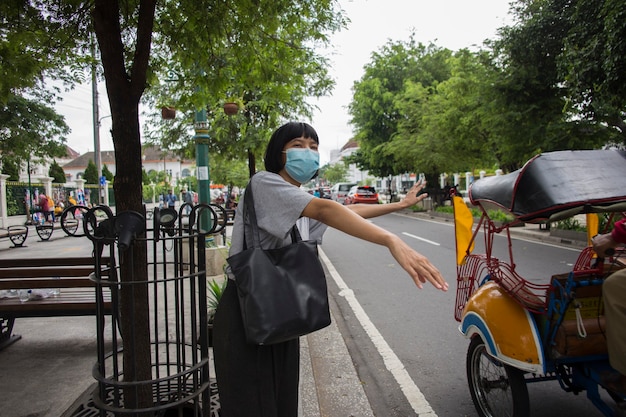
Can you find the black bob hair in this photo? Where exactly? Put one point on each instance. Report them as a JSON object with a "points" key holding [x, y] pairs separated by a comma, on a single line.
{"points": [[282, 135]]}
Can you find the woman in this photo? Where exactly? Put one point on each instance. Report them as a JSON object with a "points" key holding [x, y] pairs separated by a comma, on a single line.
{"points": [[255, 381]]}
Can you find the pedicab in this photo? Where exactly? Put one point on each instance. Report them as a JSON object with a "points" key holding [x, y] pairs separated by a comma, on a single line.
{"points": [[532, 329]]}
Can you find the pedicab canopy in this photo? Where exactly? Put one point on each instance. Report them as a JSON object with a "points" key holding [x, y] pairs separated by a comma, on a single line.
{"points": [[556, 185]]}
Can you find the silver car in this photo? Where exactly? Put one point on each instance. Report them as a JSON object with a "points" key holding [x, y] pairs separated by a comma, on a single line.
{"points": [[339, 191]]}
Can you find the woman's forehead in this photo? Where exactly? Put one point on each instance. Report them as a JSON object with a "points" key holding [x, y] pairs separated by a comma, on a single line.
{"points": [[302, 139]]}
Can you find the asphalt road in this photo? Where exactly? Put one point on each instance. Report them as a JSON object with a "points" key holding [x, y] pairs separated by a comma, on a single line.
{"points": [[417, 328]]}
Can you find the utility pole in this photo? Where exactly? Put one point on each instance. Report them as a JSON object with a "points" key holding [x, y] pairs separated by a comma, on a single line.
{"points": [[96, 122]]}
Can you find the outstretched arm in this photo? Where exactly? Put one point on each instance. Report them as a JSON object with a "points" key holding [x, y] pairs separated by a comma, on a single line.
{"points": [[373, 210], [339, 217], [602, 243]]}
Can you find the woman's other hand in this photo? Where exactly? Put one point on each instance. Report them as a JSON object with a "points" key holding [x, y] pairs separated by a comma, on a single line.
{"points": [[412, 196]]}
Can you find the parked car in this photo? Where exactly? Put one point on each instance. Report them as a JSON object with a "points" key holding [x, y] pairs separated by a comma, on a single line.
{"points": [[339, 191], [362, 194]]}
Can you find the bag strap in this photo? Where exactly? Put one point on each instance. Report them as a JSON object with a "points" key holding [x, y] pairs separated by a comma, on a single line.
{"points": [[250, 214]]}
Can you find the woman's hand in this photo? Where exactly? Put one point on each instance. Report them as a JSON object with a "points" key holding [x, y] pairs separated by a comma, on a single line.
{"points": [[412, 196], [416, 264], [346, 220]]}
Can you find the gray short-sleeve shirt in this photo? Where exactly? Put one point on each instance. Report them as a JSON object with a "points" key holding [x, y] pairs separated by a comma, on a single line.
{"points": [[278, 206]]}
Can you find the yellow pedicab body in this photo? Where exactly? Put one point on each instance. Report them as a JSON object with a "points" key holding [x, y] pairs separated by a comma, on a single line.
{"points": [[508, 330]]}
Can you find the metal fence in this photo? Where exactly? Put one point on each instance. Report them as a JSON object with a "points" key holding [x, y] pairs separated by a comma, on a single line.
{"points": [[21, 196]]}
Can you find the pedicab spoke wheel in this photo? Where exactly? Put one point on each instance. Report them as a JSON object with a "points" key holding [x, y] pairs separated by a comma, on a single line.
{"points": [[497, 390]]}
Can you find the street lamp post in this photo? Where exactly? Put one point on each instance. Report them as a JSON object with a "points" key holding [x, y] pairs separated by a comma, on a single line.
{"points": [[201, 139]]}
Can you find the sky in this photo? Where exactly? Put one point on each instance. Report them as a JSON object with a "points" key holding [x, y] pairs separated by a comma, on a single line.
{"points": [[452, 24]]}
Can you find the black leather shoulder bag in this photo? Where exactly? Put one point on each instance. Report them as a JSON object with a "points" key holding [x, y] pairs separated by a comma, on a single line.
{"points": [[282, 292]]}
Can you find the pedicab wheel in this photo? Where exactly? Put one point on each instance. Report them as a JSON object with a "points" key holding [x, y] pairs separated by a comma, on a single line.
{"points": [[70, 220], [498, 390]]}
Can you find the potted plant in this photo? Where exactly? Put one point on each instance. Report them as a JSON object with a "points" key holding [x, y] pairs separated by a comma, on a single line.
{"points": [[216, 289], [168, 112], [232, 106]]}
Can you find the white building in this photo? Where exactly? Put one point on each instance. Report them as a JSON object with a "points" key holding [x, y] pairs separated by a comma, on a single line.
{"points": [[354, 173], [153, 159]]}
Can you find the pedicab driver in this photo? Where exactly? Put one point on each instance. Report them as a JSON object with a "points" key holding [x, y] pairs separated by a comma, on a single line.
{"points": [[614, 294]]}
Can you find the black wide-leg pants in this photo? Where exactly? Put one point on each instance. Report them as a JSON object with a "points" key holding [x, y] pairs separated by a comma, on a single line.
{"points": [[252, 380]]}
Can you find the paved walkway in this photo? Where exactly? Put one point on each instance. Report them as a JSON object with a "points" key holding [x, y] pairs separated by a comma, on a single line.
{"points": [[49, 371], [46, 373]]}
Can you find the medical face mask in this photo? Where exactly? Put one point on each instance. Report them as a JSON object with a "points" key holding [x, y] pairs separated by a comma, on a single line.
{"points": [[302, 164]]}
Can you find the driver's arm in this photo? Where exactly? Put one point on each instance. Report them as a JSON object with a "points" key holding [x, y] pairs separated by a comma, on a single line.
{"points": [[602, 243]]}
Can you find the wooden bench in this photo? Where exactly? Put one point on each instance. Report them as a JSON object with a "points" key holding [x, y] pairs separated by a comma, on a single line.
{"points": [[17, 234], [76, 297]]}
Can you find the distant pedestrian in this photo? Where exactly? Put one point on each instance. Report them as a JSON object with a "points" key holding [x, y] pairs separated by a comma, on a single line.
{"points": [[170, 200], [50, 209], [44, 205], [187, 199]]}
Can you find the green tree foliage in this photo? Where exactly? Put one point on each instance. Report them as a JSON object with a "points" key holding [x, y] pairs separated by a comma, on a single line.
{"points": [[531, 111], [553, 80], [106, 173], [374, 109], [442, 130], [271, 83], [57, 173], [593, 59], [35, 45], [91, 173], [211, 47], [11, 168], [231, 172], [334, 173], [30, 128]]}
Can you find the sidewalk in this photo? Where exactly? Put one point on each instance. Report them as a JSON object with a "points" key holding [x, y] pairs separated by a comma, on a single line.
{"points": [[48, 373]]}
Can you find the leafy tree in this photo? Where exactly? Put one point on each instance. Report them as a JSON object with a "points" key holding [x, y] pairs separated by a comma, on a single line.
{"points": [[271, 84], [106, 173], [334, 173], [29, 128], [233, 173], [593, 60], [91, 173], [238, 43], [531, 110], [374, 108], [34, 47], [11, 168], [442, 130], [57, 173]]}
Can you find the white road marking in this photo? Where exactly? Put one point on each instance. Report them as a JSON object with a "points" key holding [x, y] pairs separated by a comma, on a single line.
{"points": [[514, 236], [392, 362], [421, 238]]}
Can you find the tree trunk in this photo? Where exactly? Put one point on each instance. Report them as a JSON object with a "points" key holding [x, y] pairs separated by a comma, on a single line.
{"points": [[251, 163], [125, 86]]}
